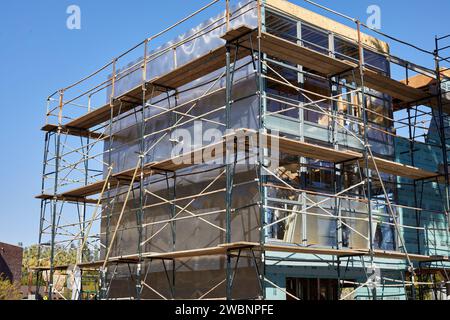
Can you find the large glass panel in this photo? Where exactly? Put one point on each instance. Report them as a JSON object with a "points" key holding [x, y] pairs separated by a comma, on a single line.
{"points": [[384, 238], [346, 50], [380, 112], [315, 39], [315, 112], [320, 176], [281, 27], [376, 61], [283, 97], [312, 289]]}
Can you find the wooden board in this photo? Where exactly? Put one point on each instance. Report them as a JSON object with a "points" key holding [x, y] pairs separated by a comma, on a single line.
{"points": [[345, 252], [197, 68], [327, 24], [74, 132], [186, 254], [439, 259], [335, 156], [82, 199], [215, 60], [236, 34], [169, 165], [404, 95], [398, 169], [230, 248], [223, 249], [428, 86], [209, 153], [421, 81], [314, 151], [312, 250], [89, 190], [124, 103], [329, 66], [391, 87], [400, 255], [285, 50]]}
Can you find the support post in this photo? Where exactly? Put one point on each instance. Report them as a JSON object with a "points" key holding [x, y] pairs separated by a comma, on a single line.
{"points": [[55, 194], [140, 212], [417, 212], [442, 128], [43, 209], [104, 270], [261, 152], [366, 148], [229, 179]]}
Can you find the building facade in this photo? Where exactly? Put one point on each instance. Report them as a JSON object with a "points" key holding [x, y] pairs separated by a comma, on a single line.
{"points": [[346, 201]]}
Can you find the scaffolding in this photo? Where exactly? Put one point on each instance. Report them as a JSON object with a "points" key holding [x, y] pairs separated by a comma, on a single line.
{"points": [[111, 184]]}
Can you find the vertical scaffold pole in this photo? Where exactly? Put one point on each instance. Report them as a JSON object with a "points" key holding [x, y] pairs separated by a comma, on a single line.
{"points": [[103, 272], [262, 112], [442, 127], [228, 170], [44, 203], [366, 148], [227, 5], [443, 131], [416, 204], [55, 196], [140, 215]]}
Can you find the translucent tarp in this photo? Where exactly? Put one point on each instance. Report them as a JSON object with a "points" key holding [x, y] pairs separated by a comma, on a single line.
{"points": [[188, 46], [202, 96]]}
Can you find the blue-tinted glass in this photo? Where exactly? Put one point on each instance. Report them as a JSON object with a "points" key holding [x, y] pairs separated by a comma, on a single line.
{"points": [[378, 61], [281, 27], [345, 50], [315, 39]]}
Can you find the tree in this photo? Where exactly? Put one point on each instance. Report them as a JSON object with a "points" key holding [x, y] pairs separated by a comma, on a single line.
{"points": [[8, 290], [63, 257]]}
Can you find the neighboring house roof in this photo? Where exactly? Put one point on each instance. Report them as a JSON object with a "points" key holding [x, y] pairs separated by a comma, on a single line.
{"points": [[11, 261]]}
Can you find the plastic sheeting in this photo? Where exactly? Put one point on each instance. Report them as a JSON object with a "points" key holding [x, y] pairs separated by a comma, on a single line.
{"points": [[188, 233], [196, 276], [162, 58]]}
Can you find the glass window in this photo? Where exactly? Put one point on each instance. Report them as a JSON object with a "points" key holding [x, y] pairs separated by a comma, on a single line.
{"points": [[377, 61], [281, 27], [315, 39], [385, 235], [282, 92], [379, 111], [320, 176], [313, 113], [312, 289], [345, 50]]}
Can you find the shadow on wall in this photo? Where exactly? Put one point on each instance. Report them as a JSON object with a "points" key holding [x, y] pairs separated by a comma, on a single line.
{"points": [[5, 271]]}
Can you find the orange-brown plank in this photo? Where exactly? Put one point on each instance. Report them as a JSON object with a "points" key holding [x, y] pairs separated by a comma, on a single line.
{"points": [[207, 63], [399, 169], [74, 132]]}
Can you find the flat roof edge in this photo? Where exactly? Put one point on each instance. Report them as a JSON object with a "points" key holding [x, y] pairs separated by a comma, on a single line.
{"points": [[323, 22]]}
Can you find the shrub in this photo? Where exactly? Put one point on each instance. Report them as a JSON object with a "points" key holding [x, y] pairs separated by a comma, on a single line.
{"points": [[8, 290]]}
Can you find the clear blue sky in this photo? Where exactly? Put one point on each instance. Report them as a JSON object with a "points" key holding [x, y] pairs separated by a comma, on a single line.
{"points": [[39, 55]]}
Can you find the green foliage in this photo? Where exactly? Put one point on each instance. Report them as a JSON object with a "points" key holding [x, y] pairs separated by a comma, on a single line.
{"points": [[8, 290], [63, 256]]}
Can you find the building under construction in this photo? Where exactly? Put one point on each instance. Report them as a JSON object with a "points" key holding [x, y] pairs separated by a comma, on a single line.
{"points": [[340, 189]]}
